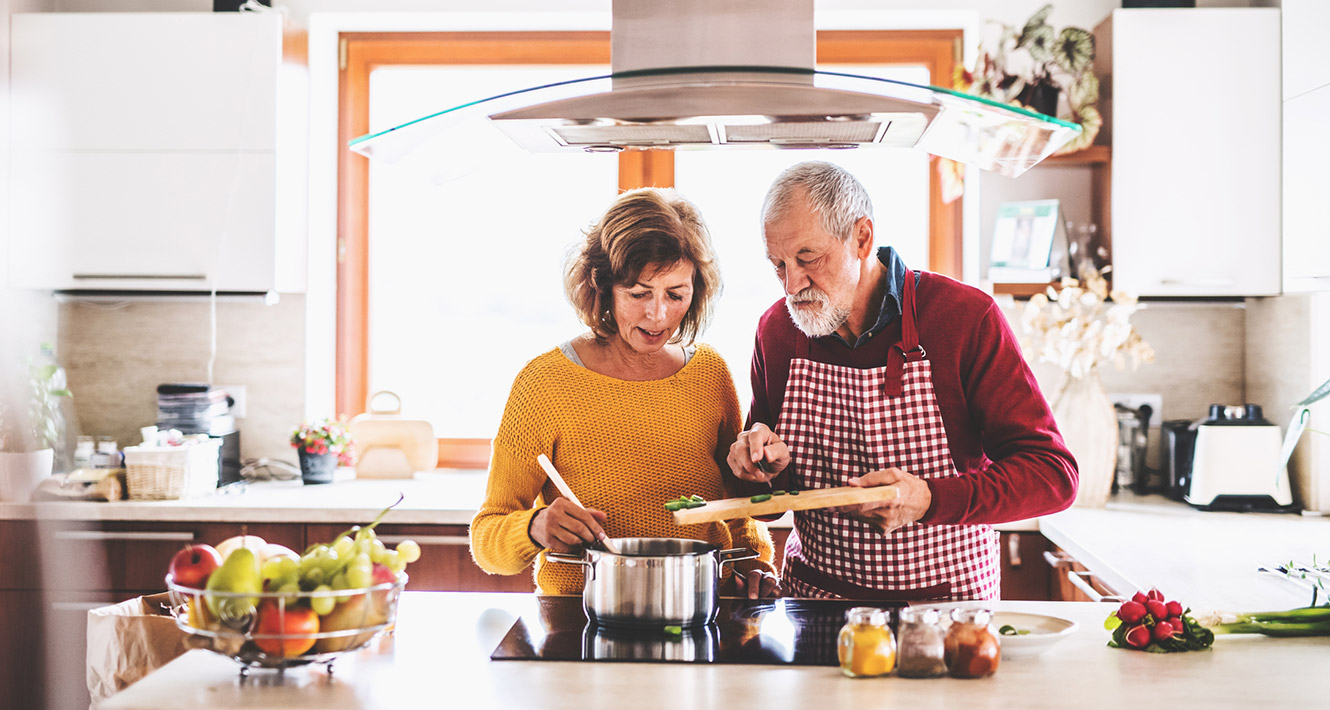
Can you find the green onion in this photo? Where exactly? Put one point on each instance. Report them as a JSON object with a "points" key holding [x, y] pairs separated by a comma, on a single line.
{"points": [[673, 505], [778, 493], [759, 498], [674, 631], [1306, 621]]}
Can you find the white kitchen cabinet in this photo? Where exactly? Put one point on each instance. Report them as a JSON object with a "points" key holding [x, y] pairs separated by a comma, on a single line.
{"points": [[146, 153], [1192, 99], [1306, 187], [1306, 25]]}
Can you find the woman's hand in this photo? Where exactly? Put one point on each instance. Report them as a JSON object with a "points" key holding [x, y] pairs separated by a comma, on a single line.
{"points": [[758, 454], [563, 526], [758, 584]]}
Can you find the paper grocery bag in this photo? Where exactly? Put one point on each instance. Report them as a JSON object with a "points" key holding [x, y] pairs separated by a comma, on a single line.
{"points": [[129, 640]]}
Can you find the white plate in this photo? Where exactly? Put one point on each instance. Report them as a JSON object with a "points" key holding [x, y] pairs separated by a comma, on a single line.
{"points": [[1044, 632]]}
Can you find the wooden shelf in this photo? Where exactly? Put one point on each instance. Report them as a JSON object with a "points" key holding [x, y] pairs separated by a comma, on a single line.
{"points": [[1094, 155]]}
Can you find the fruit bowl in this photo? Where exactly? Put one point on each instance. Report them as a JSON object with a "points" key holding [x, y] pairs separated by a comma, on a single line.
{"points": [[282, 629]]}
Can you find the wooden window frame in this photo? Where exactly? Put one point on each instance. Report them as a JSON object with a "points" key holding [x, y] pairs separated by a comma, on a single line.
{"points": [[363, 52]]}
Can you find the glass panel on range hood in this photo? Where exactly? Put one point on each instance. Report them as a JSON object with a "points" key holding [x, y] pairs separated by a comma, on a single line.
{"points": [[707, 108]]}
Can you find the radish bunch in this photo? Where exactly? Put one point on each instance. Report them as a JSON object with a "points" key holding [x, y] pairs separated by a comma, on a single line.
{"points": [[1148, 622]]}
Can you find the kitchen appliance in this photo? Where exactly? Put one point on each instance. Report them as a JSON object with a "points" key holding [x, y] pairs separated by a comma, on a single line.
{"points": [[653, 582], [702, 74], [1237, 464], [1179, 439], [1132, 441], [799, 632]]}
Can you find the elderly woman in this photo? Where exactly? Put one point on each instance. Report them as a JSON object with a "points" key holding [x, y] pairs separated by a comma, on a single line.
{"points": [[631, 413]]}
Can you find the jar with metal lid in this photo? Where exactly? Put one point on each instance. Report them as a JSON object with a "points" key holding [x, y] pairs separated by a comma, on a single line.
{"points": [[921, 643], [972, 649], [866, 646]]}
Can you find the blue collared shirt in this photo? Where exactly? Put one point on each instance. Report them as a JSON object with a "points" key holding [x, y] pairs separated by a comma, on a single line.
{"points": [[891, 300]]}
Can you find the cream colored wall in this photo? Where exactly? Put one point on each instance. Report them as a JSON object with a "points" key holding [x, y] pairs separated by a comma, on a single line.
{"points": [[117, 357]]}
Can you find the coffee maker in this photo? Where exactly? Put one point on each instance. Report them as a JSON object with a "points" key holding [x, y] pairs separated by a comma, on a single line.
{"points": [[1236, 463]]}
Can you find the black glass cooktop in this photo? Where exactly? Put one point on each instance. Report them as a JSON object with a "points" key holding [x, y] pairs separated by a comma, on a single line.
{"points": [[800, 632]]}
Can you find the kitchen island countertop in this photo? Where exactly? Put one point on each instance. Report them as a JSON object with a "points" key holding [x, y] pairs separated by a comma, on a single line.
{"points": [[440, 657]]}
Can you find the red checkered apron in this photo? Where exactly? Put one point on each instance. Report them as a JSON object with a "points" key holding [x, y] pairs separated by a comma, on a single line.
{"points": [[841, 422]]}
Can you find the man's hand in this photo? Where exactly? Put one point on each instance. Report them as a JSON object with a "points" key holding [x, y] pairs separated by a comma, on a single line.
{"points": [[758, 454], [908, 506], [563, 526], [758, 585]]}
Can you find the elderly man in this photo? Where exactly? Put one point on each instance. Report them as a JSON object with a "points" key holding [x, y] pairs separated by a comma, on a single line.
{"points": [[867, 374]]}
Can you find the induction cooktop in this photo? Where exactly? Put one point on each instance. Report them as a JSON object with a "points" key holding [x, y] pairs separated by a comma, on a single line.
{"points": [[798, 632]]}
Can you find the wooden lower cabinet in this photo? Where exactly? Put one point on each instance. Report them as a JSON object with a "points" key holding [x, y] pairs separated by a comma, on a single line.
{"points": [[1074, 582]]}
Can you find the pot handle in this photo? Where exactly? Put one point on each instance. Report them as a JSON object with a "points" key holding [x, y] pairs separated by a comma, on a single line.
{"points": [[738, 554], [568, 559]]}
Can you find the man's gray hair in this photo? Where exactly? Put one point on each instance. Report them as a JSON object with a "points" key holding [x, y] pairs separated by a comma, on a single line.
{"points": [[834, 194]]}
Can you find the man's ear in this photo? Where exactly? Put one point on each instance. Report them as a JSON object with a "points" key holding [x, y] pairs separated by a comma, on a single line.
{"points": [[863, 237]]}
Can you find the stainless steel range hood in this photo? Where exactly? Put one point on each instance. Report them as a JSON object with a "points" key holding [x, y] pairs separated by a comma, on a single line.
{"points": [[720, 74]]}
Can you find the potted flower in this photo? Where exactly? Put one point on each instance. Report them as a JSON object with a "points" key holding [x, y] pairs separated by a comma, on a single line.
{"points": [[31, 426], [1080, 327], [322, 446]]}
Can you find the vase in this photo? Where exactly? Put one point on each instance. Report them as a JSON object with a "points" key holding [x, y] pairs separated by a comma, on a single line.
{"points": [[317, 468], [1089, 426], [1041, 96], [21, 473]]}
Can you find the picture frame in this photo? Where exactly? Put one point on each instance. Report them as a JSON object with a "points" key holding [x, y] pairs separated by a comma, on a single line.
{"points": [[1029, 243]]}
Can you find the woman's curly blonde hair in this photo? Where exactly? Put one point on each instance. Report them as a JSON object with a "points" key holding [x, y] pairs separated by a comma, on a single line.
{"points": [[647, 227]]}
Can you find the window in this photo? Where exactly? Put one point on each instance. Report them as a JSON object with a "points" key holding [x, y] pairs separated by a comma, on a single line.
{"points": [[444, 293]]}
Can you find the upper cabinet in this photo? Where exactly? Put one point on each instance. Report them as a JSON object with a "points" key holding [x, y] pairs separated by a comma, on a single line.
{"points": [[1306, 145], [1192, 108], [1306, 49], [147, 153]]}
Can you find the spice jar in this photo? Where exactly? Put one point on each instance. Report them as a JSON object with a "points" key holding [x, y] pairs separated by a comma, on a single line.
{"points": [[866, 645], [972, 649], [922, 644]]}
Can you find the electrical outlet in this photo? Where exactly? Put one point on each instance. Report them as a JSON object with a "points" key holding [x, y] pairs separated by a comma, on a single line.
{"points": [[1134, 401], [237, 393]]}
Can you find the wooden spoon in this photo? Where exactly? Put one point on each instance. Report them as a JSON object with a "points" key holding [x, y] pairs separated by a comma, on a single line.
{"points": [[567, 492]]}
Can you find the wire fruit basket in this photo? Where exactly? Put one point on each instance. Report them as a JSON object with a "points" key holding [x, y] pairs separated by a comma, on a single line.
{"points": [[280, 630]]}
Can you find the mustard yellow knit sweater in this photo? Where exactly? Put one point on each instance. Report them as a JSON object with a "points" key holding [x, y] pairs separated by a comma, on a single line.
{"points": [[624, 447]]}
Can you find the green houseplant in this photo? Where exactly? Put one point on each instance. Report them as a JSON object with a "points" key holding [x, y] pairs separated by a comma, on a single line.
{"points": [[30, 425]]}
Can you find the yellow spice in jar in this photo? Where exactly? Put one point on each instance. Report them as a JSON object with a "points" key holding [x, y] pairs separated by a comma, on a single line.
{"points": [[866, 648]]}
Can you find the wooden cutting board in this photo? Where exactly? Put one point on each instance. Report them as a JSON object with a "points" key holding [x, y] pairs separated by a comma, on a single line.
{"points": [[731, 508]]}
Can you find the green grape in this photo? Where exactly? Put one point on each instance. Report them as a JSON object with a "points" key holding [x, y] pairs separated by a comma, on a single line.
{"points": [[281, 567], [291, 589], [358, 577], [366, 534], [409, 550], [323, 604], [339, 582], [376, 546], [392, 559], [343, 546], [314, 576]]}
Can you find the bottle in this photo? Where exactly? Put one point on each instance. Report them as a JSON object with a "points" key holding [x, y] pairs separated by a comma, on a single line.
{"points": [[866, 646], [921, 642], [972, 649], [83, 451]]}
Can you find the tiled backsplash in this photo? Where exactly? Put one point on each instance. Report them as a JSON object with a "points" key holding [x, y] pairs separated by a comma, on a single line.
{"points": [[116, 357]]}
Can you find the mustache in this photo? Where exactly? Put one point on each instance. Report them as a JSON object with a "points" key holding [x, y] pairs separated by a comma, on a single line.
{"points": [[808, 295]]}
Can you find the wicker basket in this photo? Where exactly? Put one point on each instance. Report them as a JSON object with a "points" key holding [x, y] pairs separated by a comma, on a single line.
{"points": [[172, 472]]}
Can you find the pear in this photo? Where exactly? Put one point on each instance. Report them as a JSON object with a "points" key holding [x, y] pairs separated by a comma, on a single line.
{"points": [[239, 573], [231, 544]]}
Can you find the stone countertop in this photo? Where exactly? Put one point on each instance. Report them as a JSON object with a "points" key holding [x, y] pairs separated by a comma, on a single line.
{"points": [[441, 497], [1207, 560], [440, 654]]}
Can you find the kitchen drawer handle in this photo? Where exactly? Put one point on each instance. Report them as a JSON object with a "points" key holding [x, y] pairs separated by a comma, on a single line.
{"points": [[1080, 581], [427, 539], [141, 536], [78, 606], [1057, 560], [140, 277], [1195, 282], [1014, 550]]}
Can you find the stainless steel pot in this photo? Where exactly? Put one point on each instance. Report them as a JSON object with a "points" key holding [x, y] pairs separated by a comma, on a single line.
{"points": [[607, 643], [653, 581]]}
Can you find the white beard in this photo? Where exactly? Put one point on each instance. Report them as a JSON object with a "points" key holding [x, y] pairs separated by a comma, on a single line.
{"points": [[825, 320]]}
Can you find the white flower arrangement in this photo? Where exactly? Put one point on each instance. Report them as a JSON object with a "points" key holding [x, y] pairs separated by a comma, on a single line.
{"points": [[1084, 325]]}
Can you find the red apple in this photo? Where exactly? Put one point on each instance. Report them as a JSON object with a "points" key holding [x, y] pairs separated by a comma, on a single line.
{"points": [[297, 626], [191, 566]]}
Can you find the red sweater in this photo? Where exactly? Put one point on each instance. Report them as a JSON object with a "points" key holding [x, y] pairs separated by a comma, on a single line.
{"points": [[1003, 439]]}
